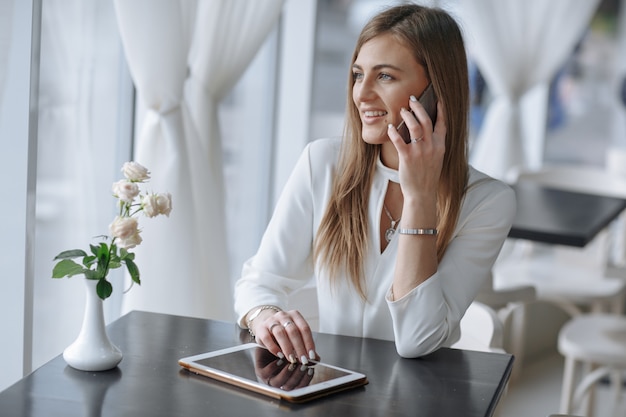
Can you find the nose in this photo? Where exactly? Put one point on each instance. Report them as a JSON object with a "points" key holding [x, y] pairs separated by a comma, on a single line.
{"points": [[363, 90]]}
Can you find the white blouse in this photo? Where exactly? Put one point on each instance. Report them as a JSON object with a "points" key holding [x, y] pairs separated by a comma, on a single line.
{"points": [[421, 321]]}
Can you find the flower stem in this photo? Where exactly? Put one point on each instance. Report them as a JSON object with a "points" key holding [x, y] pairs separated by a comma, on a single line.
{"points": [[106, 267]]}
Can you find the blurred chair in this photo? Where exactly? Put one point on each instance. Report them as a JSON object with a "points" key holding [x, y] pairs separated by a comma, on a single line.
{"points": [[481, 330], [597, 344], [510, 306]]}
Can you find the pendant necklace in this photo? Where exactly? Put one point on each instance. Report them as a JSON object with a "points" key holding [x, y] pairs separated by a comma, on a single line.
{"points": [[392, 229]]}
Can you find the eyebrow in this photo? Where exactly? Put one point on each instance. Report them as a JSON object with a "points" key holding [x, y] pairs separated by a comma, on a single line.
{"points": [[378, 67]]}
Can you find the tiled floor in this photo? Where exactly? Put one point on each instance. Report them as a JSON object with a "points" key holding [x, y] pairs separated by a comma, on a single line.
{"points": [[537, 392]]}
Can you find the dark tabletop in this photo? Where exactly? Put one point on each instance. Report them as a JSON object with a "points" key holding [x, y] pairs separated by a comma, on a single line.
{"points": [[561, 217], [149, 381]]}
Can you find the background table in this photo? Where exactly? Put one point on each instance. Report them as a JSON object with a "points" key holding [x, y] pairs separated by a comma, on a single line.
{"points": [[561, 217], [149, 381]]}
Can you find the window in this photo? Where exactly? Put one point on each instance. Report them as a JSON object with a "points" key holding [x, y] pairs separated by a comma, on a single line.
{"points": [[85, 124]]}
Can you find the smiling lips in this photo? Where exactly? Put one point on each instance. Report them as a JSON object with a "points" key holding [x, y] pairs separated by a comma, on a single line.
{"points": [[371, 116], [374, 113]]}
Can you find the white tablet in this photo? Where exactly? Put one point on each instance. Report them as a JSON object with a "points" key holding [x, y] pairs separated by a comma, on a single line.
{"points": [[253, 367]]}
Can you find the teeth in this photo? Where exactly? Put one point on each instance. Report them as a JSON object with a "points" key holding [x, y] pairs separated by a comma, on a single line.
{"points": [[375, 113]]}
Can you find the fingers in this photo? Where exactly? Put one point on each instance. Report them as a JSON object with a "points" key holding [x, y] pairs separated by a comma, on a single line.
{"points": [[417, 125], [420, 124], [289, 376], [287, 335], [420, 118]]}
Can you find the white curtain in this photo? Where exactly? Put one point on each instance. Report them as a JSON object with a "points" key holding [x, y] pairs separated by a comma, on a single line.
{"points": [[518, 46], [184, 56], [77, 103]]}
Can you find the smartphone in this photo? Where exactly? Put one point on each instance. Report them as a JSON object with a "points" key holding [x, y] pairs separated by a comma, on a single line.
{"points": [[428, 99]]}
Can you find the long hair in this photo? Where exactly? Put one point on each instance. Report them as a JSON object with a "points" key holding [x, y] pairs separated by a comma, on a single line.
{"points": [[437, 44]]}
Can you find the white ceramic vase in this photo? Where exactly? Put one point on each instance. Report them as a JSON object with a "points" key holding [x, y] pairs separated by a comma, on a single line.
{"points": [[92, 350]]}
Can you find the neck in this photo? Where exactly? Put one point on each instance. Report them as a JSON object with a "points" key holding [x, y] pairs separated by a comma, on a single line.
{"points": [[389, 155]]}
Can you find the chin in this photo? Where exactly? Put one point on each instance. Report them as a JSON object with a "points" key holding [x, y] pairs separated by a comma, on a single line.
{"points": [[374, 138], [373, 142]]}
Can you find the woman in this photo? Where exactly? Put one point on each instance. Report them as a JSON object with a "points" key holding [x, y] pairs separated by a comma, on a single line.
{"points": [[398, 236]]}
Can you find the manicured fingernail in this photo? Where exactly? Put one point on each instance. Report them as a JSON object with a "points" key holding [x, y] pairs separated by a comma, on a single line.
{"points": [[280, 362], [403, 109], [303, 368], [281, 355], [389, 126], [292, 367], [304, 360], [412, 98], [312, 355], [292, 358], [310, 371]]}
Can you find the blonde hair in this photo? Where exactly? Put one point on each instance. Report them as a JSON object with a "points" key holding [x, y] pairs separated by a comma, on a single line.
{"points": [[437, 44]]}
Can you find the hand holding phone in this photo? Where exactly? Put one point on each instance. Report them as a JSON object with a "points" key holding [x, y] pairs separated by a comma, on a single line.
{"points": [[428, 99]]}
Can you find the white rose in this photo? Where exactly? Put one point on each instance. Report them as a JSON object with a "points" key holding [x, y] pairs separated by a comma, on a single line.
{"points": [[123, 227], [130, 242], [155, 204], [125, 190], [164, 203], [149, 205], [135, 172]]}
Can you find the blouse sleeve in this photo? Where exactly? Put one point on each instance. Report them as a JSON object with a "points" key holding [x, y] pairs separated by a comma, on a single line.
{"points": [[428, 316], [284, 261]]}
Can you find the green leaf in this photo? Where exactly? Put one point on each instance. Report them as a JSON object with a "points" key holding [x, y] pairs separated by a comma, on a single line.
{"points": [[67, 268], [125, 254], [103, 250], [94, 249], [133, 270], [92, 274], [104, 289], [88, 260], [74, 253], [114, 257], [103, 260], [113, 264]]}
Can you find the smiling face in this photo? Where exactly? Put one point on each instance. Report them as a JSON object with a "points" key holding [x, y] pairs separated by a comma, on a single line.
{"points": [[385, 74]]}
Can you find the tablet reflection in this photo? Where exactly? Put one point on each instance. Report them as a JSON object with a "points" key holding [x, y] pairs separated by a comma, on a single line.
{"points": [[280, 373]]}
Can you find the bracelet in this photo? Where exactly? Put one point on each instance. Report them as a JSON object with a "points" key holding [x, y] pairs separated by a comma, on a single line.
{"points": [[418, 231], [255, 314]]}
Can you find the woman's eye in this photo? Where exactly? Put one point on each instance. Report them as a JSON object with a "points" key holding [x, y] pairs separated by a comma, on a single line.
{"points": [[385, 77], [357, 76]]}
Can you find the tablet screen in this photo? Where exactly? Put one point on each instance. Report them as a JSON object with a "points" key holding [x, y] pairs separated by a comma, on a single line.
{"points": [[263, 366], [253, 367]]}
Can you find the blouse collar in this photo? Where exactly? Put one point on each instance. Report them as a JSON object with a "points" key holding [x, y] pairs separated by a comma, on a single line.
{"points": [[386, 172]]}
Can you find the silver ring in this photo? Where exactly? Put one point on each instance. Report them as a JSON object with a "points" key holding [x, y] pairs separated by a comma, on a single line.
{"points": [[287, 323], [417, 140], [272, 326]]}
